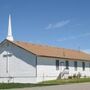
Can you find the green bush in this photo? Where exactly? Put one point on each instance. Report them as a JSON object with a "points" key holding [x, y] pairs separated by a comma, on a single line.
{"points": [[74, 76], [70, 77], [79, 75]]}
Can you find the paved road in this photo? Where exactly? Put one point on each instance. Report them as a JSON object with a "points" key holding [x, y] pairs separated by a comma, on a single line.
{"points": [[83, 86]]}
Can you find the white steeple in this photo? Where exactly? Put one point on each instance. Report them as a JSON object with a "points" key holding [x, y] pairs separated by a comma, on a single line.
{"points": [[9, 36]]}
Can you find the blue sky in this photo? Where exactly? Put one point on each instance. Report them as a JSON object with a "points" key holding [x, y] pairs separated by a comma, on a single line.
{"points": [[62, 23]]}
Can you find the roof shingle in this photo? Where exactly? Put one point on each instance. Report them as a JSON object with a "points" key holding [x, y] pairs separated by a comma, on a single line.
{"points": [[49, 51]]}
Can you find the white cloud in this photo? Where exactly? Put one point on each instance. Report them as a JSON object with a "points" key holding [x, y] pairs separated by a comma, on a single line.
{"points": [[49, 26], [61, 24], [73, 37], [58, 24], [86, 51]]}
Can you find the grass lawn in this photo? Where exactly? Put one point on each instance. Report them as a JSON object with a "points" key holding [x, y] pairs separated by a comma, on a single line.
{"points": [[67, 81], [45, 83]]}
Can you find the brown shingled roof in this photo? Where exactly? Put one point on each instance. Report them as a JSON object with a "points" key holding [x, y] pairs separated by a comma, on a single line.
{"points": [[49, 51]]}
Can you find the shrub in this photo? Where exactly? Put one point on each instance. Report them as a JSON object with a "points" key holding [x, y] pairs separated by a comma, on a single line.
{"points": [[79, 75], [74, 76], [70, 77], [85, 76]]}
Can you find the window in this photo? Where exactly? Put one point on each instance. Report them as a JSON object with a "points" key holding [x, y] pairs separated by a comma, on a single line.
{"points": [[83, 66], [75, 65], [89, 66], [67, 65], [57, 64]]}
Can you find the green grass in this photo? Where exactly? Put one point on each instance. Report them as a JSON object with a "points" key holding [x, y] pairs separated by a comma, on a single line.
{"points": [[67, 81], [19, 85], [45, 83]]}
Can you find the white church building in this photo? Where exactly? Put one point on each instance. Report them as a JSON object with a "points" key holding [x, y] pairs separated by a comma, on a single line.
{"points": [[23, 62]]}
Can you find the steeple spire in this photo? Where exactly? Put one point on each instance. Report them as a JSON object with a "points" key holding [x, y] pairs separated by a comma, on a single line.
{"points": [[9, 36]]}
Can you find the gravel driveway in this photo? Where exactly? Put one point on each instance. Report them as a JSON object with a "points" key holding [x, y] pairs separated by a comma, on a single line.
{"points": [[83, 86]]}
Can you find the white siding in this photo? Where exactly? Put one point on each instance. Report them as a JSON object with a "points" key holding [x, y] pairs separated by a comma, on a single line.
{"points": [[46, 68], [21, 64], [79, 68], [25, 67]]}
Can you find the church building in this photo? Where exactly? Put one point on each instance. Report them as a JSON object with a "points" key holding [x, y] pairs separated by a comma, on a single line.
{"points": [[23, 62]]}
